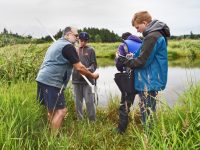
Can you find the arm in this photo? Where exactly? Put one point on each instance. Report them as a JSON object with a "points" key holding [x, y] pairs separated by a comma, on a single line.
{"points": [[69, 52], [120, 51], [84, 71], [143, 59], [93, 62]]}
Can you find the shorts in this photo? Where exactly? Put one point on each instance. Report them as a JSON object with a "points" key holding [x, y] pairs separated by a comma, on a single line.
{"points": [[49, 96]]}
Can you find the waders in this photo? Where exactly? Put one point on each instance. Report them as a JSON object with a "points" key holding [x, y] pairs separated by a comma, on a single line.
{"points": [[125, 84]]}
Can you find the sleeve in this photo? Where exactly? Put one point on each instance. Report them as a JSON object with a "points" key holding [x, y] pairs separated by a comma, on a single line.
{"points": [[118, 64], [121, 50], [93, 61], [144, 58], [69, 52]]}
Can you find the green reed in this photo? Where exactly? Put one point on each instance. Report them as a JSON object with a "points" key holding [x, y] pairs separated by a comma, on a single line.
{"points": [[23, 124]]}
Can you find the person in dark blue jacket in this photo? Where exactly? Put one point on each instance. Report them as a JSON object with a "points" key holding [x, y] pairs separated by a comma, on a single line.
{"points": [[125, 79], [130, 45], [150, 64]]}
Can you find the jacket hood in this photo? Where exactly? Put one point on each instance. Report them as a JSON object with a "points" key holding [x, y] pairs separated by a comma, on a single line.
{"points": [[134, 38], [156, 25]]}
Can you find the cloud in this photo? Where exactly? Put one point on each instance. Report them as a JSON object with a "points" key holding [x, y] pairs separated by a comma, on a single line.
{"points": [[19, 15]]}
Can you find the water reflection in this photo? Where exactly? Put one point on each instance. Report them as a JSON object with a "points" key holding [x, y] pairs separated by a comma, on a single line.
{"points": [[186, 62]]}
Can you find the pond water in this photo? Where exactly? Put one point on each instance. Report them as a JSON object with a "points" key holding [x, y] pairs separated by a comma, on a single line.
{"points": [[179, 80]]}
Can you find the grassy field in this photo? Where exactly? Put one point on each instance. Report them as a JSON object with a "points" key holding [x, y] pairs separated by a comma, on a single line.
{"points": [[176, 49], [23, 123], [22, 61]]}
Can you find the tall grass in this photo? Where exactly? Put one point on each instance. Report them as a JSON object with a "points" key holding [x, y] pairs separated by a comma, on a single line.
{"points": [[183, 48], [23, 124], [105, 50], [22, 61]]}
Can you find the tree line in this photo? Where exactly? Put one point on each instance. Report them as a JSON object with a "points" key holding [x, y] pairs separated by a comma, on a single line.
{"points": [[187, 36], [9, 38], [96, 35]]}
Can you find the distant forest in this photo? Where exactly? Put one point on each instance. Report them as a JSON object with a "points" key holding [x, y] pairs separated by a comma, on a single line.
{"points": [[96, 35]]}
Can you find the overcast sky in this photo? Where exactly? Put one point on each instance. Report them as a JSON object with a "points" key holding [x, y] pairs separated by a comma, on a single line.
{"points": [[21, 16]]}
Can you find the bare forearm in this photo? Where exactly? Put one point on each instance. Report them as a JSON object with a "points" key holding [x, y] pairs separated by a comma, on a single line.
{"points": [[84, 71]]}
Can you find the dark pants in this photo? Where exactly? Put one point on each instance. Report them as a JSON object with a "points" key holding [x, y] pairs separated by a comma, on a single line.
{"points": [[127, 100], [147, 104]]}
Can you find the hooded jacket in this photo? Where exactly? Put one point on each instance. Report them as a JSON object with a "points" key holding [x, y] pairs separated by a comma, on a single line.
{"points": [[151, 65], [121, 49]]}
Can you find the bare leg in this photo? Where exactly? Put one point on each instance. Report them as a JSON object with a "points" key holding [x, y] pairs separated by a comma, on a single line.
{"points": [[56, 119], [50, 115]]}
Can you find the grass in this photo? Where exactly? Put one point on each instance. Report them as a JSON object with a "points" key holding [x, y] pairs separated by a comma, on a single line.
{"points": [[183, 48], [22, 61], [23, 124], [105, 50], [176, 48]]}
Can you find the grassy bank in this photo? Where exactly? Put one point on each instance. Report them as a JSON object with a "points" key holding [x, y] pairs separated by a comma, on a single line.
{"points": [[22, 61], [23, 124], [176, 48]]}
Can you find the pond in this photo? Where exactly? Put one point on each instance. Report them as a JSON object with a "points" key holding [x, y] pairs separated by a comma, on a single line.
{"points": [[179, 79]]}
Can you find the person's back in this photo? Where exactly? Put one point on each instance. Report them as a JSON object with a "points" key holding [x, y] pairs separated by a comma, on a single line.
{"points": [[130, 45], [125, 79]]}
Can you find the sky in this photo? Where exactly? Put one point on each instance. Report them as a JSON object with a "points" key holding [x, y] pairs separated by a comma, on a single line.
{"points": [[40, 17]]}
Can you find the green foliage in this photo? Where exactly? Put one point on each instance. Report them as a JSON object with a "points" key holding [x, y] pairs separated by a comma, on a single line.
{"points": [[23, 124], [97, 38], [96, 35], [105, 50], [184, 62], [189, 36], [103, 62], [12, 39], [101, 35], [21, 62], [183, 48]]}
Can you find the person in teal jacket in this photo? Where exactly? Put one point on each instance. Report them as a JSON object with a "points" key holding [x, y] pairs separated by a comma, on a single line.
{"points": [[150, 65]]}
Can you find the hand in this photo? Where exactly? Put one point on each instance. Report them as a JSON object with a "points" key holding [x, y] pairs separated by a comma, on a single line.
{"points": [[95, 75], [129, 55], [117, 54]]}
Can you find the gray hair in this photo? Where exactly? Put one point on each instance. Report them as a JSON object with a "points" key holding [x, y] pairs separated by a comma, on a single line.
{"points": [[66, 30]]}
